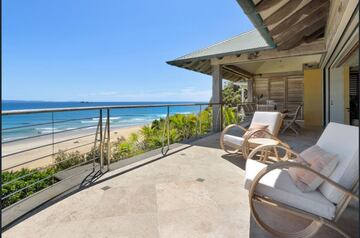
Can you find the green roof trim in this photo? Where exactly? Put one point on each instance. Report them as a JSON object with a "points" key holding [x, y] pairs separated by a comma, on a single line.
{"points": [[249, 9], [244, 43]]}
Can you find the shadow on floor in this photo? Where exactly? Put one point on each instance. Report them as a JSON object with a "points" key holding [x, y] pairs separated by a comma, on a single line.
{"points": [[279, 220], [236, 159]]}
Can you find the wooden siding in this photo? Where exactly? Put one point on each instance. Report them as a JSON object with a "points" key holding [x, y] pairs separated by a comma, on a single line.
{"points": [[287, 92]]}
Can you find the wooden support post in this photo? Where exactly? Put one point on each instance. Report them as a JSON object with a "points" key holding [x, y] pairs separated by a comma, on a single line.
{"points": [[250, 88], [217, 97]]}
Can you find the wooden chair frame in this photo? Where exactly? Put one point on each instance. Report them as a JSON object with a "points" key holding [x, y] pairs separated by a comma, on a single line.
{"points": [[246, 146], [291, 123], [317, 221]]}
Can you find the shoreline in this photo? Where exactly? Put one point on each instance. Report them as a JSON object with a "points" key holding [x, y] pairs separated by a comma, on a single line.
{"points": [[81, 140]]}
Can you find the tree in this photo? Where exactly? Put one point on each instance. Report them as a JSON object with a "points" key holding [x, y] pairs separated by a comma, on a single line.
{"points": [[232, 94]]}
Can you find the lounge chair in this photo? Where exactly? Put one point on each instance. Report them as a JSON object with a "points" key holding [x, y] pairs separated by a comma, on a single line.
{"points": [[272, 185], [290, 121], [240, 143]]}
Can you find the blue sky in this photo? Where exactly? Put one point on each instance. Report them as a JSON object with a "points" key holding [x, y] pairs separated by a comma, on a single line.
{"points": [[110, 50]]}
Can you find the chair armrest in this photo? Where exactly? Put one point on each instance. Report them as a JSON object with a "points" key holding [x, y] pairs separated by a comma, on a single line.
{"points": [[232, 126], [258, 131], [287, 165], [226, 130], [282, 144]]}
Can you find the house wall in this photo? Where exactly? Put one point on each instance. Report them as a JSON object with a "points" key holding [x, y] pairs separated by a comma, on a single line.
{"points": [[286, 91], [313, 97], [341, 34]]}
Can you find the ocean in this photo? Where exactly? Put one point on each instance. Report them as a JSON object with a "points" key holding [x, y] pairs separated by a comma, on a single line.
{"points": [[21, 126]]}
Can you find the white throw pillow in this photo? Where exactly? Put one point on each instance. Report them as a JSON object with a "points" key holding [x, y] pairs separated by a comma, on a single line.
{"points": [[320, 161]]}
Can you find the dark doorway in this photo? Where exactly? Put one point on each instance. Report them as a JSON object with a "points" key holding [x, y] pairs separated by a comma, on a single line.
{"points": [[354, 96]]}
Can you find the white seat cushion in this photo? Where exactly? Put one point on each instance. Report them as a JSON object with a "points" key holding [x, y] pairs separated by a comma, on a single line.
{"points": [[342, 140], [272, 119], [233, 141], [278, 186]]}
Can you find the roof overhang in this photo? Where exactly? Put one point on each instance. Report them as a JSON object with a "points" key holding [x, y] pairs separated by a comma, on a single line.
{"points": [[295, 26], [288, 23], [233, 69]]}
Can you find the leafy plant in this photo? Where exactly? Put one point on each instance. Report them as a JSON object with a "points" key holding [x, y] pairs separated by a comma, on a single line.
{"points": [[28, 181], [232, 94]]}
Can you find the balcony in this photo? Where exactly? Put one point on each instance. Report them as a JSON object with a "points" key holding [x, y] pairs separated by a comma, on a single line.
{"points": [[195, 191]]}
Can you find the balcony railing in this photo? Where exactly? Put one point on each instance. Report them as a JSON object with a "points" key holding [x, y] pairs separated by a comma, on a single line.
{"points": [[39, 145]]}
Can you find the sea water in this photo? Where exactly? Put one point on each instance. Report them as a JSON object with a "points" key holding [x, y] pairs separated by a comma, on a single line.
{"points": [[27, 125]]}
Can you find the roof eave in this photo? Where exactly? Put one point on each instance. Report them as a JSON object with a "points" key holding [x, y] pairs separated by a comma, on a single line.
{"points": [[207, 57]]}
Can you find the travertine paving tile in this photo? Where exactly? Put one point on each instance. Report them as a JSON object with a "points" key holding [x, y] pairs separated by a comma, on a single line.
{"points": [[197, 192]]}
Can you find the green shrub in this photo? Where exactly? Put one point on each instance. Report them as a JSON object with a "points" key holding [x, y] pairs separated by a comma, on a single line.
{"points": [[42, 179], [65, 160], [230, 116]]}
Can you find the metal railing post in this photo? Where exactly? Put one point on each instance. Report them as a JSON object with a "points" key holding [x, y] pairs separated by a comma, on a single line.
{"points": [[52, 134], [166, 127], [95, 142], [53, 140], [101, 140], [108, 139], [200, 121], [197, 125]]}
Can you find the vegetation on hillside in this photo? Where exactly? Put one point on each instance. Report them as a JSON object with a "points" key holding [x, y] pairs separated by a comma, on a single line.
{"points": [[232, 94]]}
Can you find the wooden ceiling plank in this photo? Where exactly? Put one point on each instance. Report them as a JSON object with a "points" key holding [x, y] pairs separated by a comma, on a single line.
{"points": [[315, 35], [194, 64], [291, 20], [281, 74], [300, 37], [266, 4], [283, 12], [201, 66], [239, 70], [320, 13], [208, 69]]}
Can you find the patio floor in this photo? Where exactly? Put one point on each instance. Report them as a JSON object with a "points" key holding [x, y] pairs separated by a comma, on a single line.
{"points": [[195, 192]]}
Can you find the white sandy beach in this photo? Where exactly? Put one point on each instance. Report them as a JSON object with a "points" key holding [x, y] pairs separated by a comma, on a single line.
{"points": [[29, 159]]}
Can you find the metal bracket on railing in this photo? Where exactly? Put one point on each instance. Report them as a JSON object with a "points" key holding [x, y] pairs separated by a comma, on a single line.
{"points": [[166, 128]]}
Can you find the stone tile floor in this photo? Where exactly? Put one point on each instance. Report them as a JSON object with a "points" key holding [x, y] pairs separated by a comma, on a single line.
{"points": [[195, 192]]}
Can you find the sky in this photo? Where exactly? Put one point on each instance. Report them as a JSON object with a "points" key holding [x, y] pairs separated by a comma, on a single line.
{"points": [[110, 50]]}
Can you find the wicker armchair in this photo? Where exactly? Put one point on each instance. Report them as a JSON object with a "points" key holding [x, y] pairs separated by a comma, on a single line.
{"points": [[271, 184], [240, 144]]}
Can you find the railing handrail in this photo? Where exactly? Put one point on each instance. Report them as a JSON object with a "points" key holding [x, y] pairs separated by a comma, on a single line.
{"points": [[47, 110]]}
